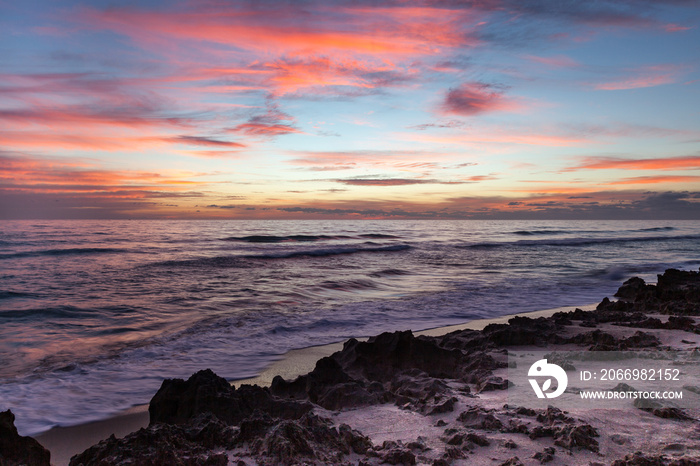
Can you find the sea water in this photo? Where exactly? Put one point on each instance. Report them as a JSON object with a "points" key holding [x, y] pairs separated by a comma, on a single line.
{"points": [[95, 314]]}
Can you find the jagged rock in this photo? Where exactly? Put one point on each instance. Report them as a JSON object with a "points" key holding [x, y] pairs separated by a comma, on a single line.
{"points": [[564, 430], [163, 445], [520, 410], [554, 415], [523, 331], [311, 438], [178, 400], [639, 340], [594, 337], [477, 439], [466, 340], [640, 459], [492, 383], [416, 384], [456, 439], [633, 289], [514, 461], [453, 453], [658, 409], [418, 444], [329, 386], [354, 439], [414, 389], [614, 306], [545, 456], [18, 450], [676, 292], [680, 323], [581, 436], [287, 442], [399, 456], [515, 426], [677, 285], [380, 358], [477, 417]]}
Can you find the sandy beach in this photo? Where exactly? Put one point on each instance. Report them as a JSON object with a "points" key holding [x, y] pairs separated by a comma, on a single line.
{"points": [[65, 442], [440, 396]]}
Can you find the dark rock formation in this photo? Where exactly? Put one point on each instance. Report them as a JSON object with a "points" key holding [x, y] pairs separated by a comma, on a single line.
{"points": [[477, 417], [194, 421], [635, 289], [178, 401], [382, 357], [309, 438], [545, 456], [514, 461], [18, 450], [640, 459], [164, 445], [398, 367], [523, 331]]}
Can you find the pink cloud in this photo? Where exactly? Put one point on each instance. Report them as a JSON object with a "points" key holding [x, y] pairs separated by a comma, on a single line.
{"points": [[474, 98], [648, 76], [676, 28], [399, 31]]}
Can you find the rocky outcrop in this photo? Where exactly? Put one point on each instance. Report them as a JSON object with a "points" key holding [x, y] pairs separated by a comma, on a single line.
{"points": [[178, 401], [196, 442], [189, 444], [205, 421], [16, 450], [640, 459], [392, 367]]}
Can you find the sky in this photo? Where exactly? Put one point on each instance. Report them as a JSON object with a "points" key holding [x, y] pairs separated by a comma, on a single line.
{"points": [[483, 109]]}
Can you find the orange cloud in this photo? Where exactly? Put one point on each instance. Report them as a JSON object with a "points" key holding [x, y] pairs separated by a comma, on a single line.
{"points": [[658, 179], [611, 163], [52, 141], [36, 175]]}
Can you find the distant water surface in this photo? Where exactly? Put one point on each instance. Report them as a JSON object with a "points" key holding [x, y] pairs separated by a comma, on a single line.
{"points": [[95, 314]]}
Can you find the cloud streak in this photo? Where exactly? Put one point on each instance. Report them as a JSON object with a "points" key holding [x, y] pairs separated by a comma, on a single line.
{"points": [[391, 181], [648, 76], [691, 162]]}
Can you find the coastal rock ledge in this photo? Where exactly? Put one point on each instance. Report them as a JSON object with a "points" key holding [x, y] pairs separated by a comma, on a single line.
{"points": [[398, 398], [16, 450]]}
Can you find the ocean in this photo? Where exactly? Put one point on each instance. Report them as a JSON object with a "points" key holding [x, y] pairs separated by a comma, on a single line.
{"points": [[95, 314]]}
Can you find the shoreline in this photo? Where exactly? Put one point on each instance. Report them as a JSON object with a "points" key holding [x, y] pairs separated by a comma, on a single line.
{"points": [[64, 442]]}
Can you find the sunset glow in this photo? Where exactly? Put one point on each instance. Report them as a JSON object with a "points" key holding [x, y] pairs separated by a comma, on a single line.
{"points": [[411, 109]]}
